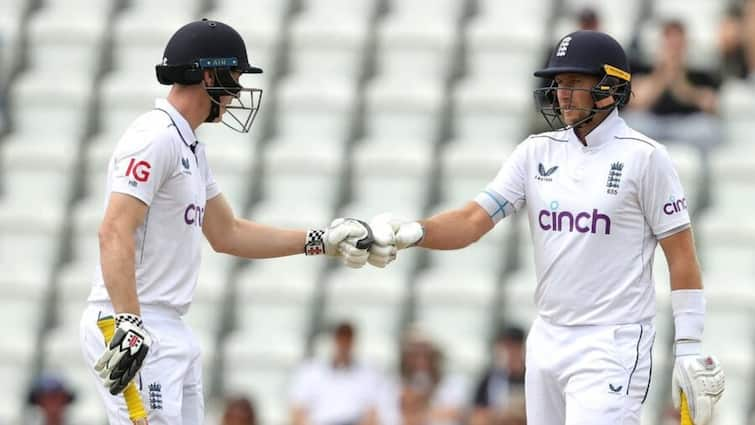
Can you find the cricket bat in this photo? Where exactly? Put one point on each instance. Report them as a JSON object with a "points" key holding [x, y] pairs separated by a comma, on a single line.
{"points": [[684, 412], [136, 411]]}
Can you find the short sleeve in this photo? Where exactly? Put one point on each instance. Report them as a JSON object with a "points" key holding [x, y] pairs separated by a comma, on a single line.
{"points": [[211, 186], [662, 196], [506, 193], [140, 167]]}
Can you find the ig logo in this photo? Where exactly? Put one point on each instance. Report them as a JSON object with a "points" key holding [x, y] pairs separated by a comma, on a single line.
{"points": [[138, 170]]}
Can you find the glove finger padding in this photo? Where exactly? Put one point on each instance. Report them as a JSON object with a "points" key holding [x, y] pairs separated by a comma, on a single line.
{"points": [[352, 256], [382, 255], [702, 381], [405, 233], [123, 357], [357, 232]]}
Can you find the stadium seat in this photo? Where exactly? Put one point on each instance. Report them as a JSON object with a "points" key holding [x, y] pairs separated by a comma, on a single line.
{"points": [[124, 96], [11, 13], [232, 157], [487, 111], [519, 296], [390, 176], [431, 11], [467, 166], [501, 45], [737, 107], [688, 163], [16, 387], [70, 35], [260, 23], [329, 40], [136, 21], [371, 298], [617, 19], [22, 296], [399, 112], [63, 356], [416, 47], [263, 376], [274, 301], [32, 212], [300, 188], [455, 306], [315, 113], [63, 108]]}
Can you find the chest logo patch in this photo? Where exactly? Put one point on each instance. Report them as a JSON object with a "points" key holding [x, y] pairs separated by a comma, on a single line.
{"points": [[185, 166], [614, 178], [543, 174]]}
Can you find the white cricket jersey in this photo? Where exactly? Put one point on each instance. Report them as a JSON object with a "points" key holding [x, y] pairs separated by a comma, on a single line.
{"points": [[596, 213], [154, 162]]}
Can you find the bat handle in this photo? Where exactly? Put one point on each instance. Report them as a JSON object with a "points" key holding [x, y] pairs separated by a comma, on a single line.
{"points": [[685, 418], [136, 411]]}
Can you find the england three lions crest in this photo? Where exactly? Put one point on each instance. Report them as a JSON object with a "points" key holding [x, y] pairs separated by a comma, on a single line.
{"points": [[614, 178]]}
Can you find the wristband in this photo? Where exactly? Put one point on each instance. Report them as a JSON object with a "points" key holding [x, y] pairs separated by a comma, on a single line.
{"points": [[314, 244], [688, 307], [128, 317]]}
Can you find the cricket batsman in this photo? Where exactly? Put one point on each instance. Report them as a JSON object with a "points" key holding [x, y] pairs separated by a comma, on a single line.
{"points": [[161, 200], [599, 197]]}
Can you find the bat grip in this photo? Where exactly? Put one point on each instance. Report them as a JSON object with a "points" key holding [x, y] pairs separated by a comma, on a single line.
{"points": [[685, 418], [136, 411]]}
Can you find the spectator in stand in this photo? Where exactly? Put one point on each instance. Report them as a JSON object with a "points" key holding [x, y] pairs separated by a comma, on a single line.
{"points": [[436, 398], [336, 391], [736, 41], [587, 19], [52, 397], [502, 385], [239, 411], [671, 102]]}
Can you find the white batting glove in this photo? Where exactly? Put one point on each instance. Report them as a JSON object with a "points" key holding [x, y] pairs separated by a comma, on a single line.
{"points": [[702, 381], [391, 234], [347, 238]]}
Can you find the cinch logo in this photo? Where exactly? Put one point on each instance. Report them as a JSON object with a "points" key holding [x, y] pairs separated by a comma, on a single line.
{"points": [[193, 215], [675, 206], [566, 221], [138, 170]]}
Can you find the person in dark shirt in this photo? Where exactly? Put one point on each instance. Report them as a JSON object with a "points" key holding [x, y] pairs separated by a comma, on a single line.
{"points": [[673, 103], [736, 41], [503, 382]]}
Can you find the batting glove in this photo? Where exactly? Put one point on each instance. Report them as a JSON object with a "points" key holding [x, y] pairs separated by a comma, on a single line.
{"points": [[702, 381], [346, 238], [124, 356], [392, 234]]}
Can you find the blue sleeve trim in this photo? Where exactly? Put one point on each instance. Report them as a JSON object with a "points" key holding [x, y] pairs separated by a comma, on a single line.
{"points": [[501, 206]]}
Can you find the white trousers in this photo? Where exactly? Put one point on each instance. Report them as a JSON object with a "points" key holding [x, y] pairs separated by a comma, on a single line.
{"points": [[170, 381], [587, 375]]}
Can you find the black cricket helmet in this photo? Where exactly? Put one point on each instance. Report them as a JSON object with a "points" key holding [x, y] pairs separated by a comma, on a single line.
{"points": [[211, 45], [591, 53]]}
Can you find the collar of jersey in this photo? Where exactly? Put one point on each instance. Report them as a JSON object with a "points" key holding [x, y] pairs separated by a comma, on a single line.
{"points": [[604, 132], [181, 124]]}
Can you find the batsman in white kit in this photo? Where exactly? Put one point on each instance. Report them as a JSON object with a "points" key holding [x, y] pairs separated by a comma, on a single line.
{"points": [[599, 197], [161, 200]]}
